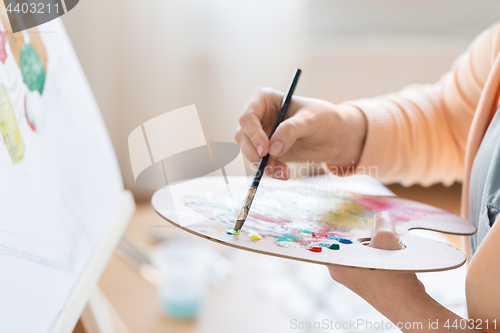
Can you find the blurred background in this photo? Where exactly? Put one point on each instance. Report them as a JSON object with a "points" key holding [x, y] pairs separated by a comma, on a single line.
{"points": [[144, 58], [149, 57]]}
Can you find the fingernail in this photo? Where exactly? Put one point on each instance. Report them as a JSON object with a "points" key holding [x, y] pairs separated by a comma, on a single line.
{"points": [[259, 150], [267, 171], [276, 148], [280, 177]]}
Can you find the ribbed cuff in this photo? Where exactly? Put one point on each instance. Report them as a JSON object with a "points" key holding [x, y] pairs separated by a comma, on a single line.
{"points": [[379, 158]]}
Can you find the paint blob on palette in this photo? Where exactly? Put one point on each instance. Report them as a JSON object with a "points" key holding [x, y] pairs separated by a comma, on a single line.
{"points": [[297, 220], [294, 216]]}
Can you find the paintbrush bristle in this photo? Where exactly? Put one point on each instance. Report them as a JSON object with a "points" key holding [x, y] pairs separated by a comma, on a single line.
{"points": [[239, 224]]}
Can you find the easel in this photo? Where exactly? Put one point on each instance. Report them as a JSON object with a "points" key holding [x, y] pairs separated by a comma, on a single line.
{"points": [[87, 300]]}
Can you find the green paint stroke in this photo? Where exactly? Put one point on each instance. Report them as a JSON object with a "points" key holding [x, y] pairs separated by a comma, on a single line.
{"points": [[287, 238], [32, 68]]}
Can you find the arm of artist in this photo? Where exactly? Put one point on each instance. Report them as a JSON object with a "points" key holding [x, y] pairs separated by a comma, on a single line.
{"points": [[416, 135], [420, 133], [401, 297]]}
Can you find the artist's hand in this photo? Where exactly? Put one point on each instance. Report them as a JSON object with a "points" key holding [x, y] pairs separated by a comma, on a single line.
{"points": [[379, 287], [313, 130], [399, 296], [384, 237]]}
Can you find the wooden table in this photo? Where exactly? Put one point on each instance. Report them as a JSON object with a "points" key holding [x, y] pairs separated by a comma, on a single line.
{"points": [[135, 300]]}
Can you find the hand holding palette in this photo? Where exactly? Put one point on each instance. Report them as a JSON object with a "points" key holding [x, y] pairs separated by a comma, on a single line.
{"points": [[306, 221]]}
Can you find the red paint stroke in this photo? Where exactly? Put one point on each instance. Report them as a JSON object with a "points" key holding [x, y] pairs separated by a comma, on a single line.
{"points": [[340, 235], [315, 248], [3, 51], [398, 212], [319, 234], [32, 126]]}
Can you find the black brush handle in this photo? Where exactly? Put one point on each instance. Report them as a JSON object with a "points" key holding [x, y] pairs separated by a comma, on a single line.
{"points": [[281, 116]]}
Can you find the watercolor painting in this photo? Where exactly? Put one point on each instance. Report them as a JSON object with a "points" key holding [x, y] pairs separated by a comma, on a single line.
{"points": [[31, 60], [288, 217]]}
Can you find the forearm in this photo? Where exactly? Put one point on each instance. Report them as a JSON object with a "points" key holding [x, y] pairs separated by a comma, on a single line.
{"points": [[419, 135], [405, 302], [355, 131], [409, 138]]}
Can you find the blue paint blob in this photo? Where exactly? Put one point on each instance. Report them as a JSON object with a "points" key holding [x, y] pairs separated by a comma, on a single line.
{"points": [[341, 240], [232, 231]]}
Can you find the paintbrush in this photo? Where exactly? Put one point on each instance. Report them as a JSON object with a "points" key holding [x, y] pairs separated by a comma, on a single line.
{"points": [[285, 103]]}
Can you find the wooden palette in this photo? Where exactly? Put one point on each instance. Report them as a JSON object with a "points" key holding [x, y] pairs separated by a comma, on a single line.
{"points": [[293, 215]]}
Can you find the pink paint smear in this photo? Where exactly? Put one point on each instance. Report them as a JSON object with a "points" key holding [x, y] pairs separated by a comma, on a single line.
{"points": [[3, 51], [399, 213]]}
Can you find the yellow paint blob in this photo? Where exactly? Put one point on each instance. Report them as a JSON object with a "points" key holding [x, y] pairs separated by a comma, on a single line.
{"points": [[254, 235]]}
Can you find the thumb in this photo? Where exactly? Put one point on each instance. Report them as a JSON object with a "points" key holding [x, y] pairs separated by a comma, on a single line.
{"points": [[285, 136], [384, 235]]}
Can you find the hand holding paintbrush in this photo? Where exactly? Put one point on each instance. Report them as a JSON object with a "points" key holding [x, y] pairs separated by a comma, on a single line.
{"points": [[263, 162]]}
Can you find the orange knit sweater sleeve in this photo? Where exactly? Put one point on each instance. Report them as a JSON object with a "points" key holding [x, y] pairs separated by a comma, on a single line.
{"points": [[419, 134]]}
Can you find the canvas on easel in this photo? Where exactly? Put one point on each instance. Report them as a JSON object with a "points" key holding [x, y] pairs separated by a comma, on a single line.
{"points": [[62, 203]]}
